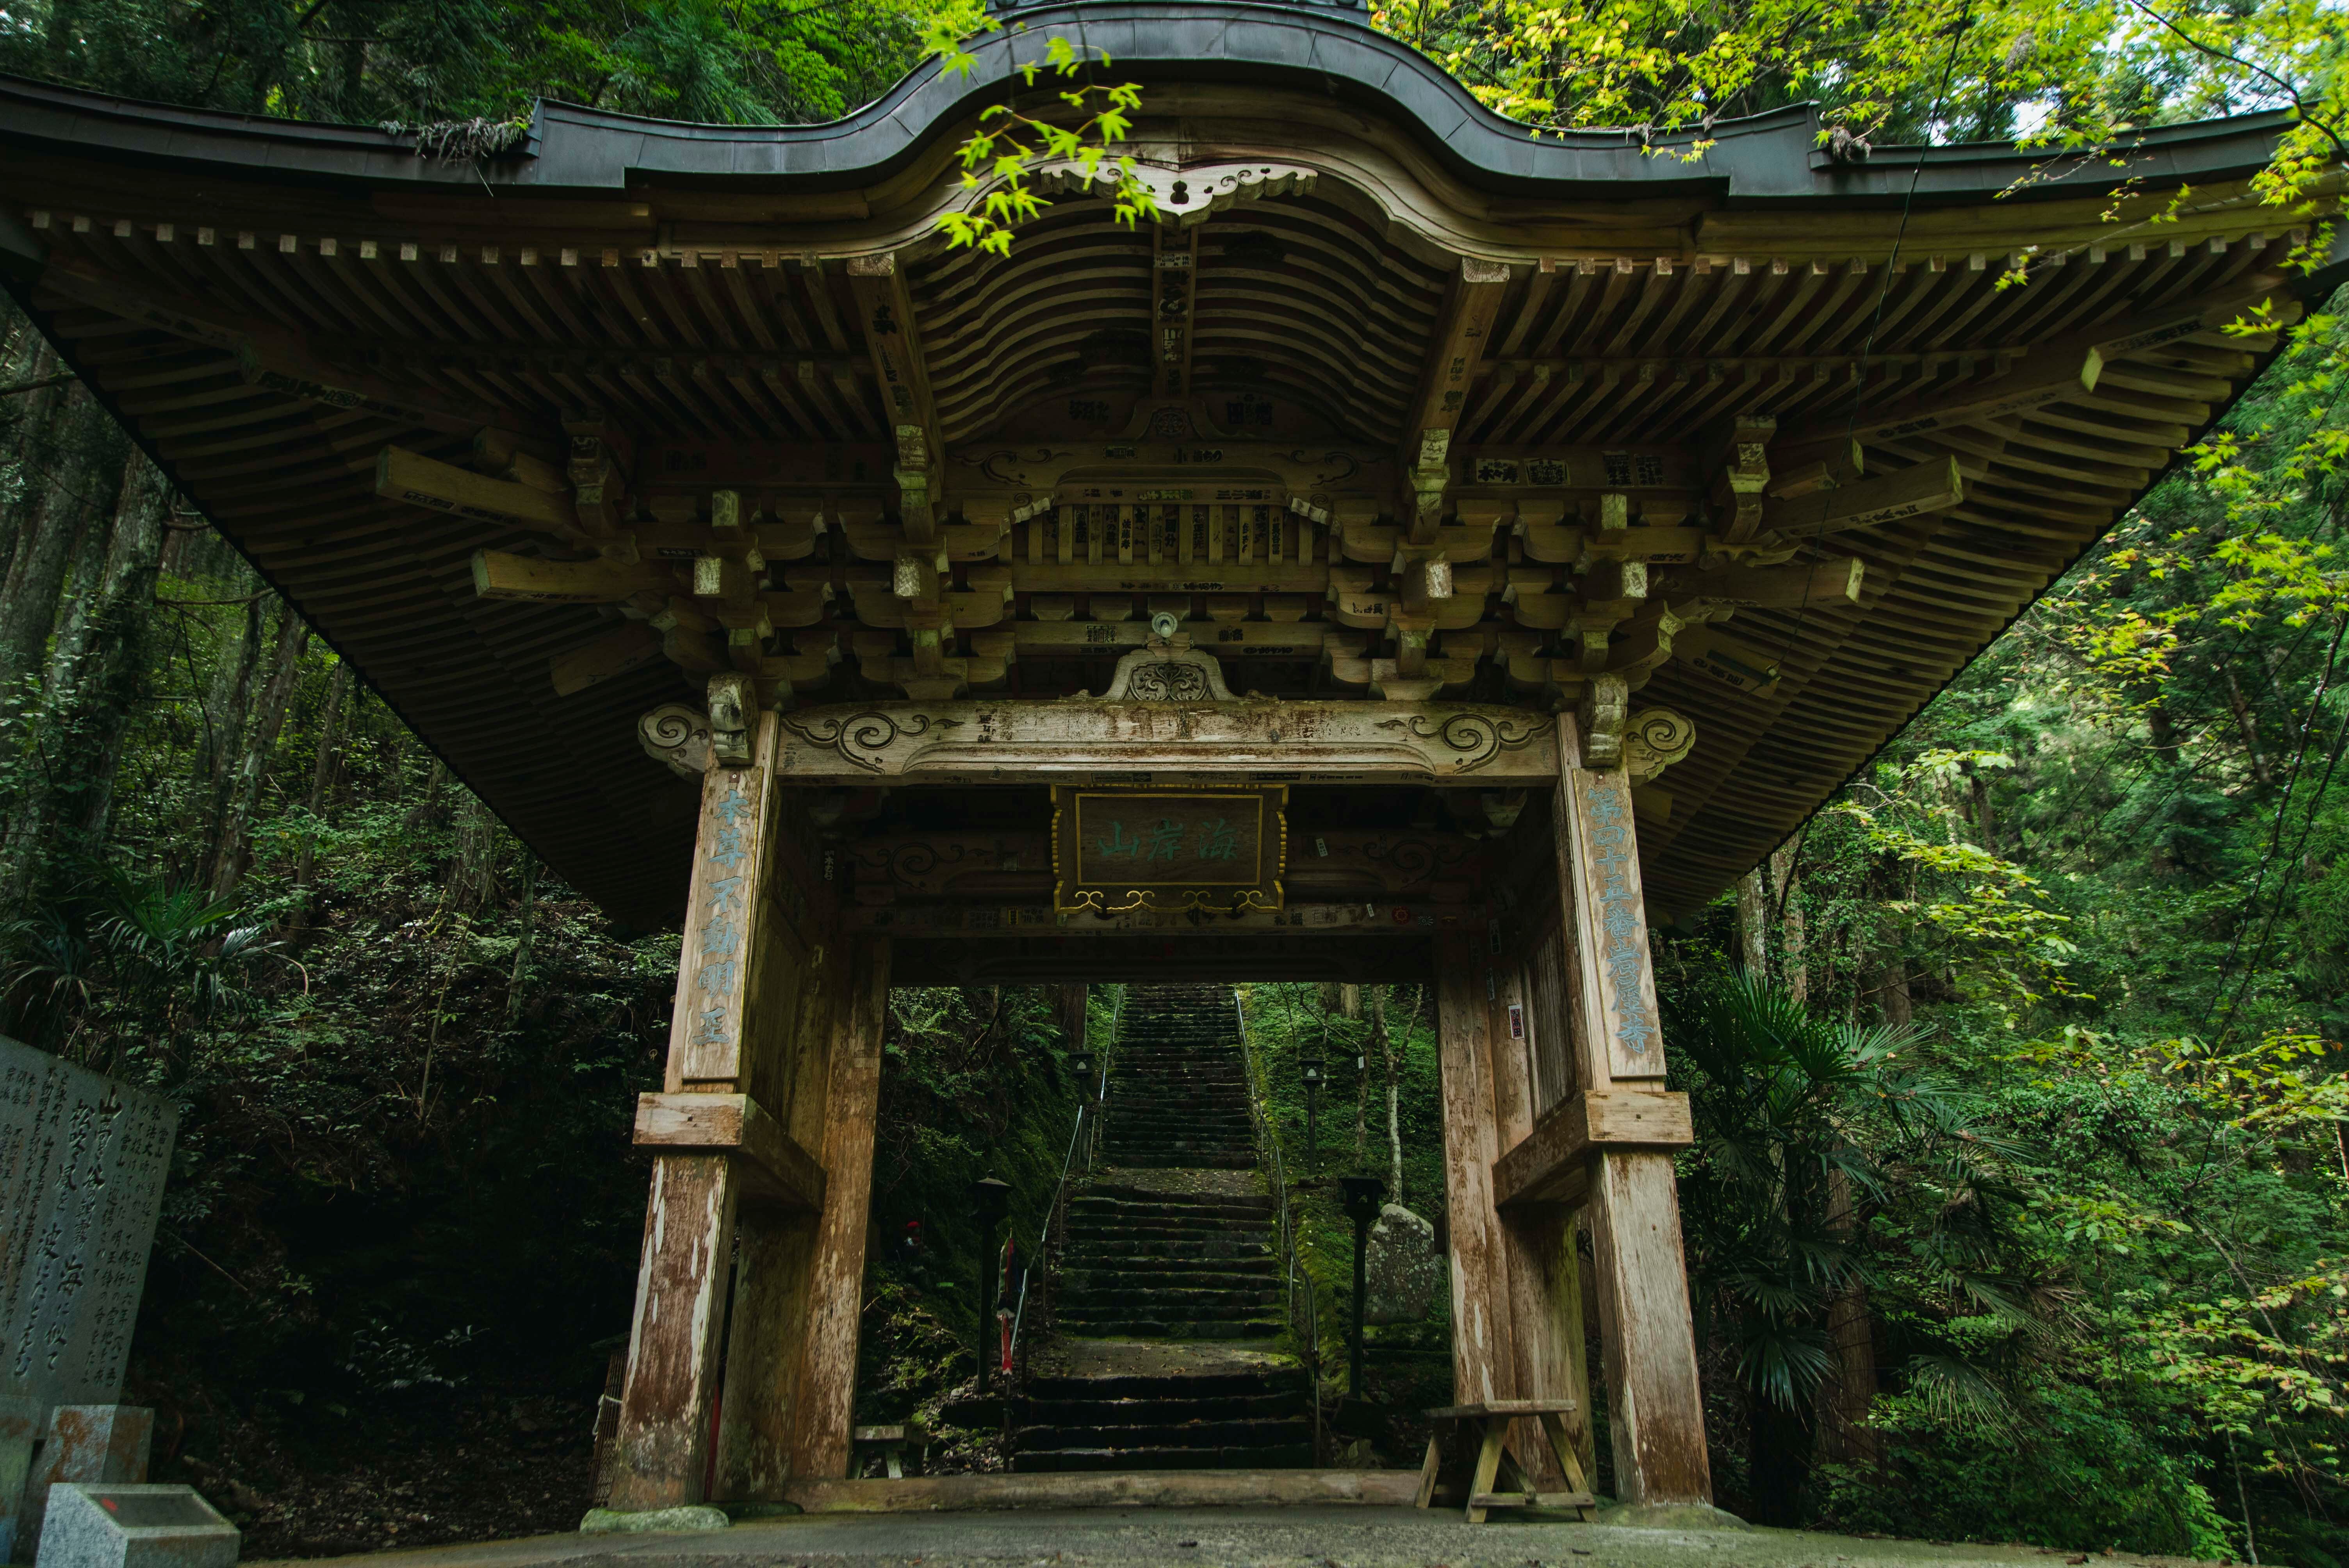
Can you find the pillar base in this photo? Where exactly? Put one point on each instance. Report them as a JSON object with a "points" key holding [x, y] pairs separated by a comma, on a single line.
{"points": [[691, 1517]]}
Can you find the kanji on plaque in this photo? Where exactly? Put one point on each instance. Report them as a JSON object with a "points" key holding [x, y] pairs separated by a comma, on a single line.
{"points": [[1132, 848]]}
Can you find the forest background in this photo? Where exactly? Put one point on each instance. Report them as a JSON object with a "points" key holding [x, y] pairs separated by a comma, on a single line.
{"points": [[2017, 1211]]}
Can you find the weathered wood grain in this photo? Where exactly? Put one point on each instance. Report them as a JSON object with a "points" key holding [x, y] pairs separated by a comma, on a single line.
{"points": [[713, 970], [776, 1170], [663, 1446], [1655, 1415], [1550, 1164], [827, 1378], [1484, 1356]]}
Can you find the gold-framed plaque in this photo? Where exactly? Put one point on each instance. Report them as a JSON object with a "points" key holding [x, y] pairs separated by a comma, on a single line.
{"points": [[1121, 847]]}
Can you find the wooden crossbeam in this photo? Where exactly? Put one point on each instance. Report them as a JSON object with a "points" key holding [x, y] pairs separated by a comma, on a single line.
{"points": [[884, 309], [1767, 587], [1551, 1164], [1914, 492], [419, 481], [1453, 360], [779, 1170]]}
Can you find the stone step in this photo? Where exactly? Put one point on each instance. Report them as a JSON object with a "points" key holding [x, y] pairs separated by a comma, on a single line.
{"points": [[1167, 1296], [1167, 1409], [1170, 1435], [1099, 1386], [1125, 1192], [1098, 1266], [1285, 1456], [1094, 1227], [1110, 1254], [1186, 1328], [1192, 1161]]}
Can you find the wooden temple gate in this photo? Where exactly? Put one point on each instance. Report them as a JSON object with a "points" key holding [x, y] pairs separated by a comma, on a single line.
{"points": [[1440, 484], [1552, 1058]]}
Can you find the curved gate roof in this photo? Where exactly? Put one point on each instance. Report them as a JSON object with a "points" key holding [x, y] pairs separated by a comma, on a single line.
{"points": [[1395, 399]]}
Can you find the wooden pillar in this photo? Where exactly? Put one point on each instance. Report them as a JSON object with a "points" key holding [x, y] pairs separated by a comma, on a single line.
{"points": [[835, 1296], [748, 1091], [1537, 1251], [1483, 1351], [1655, 1411]]}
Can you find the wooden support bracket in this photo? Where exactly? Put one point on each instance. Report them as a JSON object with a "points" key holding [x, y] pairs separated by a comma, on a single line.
{"points": [[775, 1169], [1551, 1163]]}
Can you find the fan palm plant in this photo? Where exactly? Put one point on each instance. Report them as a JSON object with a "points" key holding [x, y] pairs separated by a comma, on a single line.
{"points": [[1805, 1129]]}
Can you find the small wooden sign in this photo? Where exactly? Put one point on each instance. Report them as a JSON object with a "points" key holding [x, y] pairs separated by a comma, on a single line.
{"points": [[1119, 848]]}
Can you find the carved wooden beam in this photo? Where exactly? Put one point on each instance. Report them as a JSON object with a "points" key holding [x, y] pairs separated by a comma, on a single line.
{"points": [[779, 1170], [1074, 741], [1552, 1163], [1175, 280], [884, 309], [1452, 361], [1002, 919]]}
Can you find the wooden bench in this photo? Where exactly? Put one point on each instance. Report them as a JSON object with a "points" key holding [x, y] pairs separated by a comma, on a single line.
{"points": [[1491, 1419], [890, 1443]]}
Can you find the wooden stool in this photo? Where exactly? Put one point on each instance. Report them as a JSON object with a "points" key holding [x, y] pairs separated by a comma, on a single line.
{"points": [[892, 1444], [1495, 1417]]}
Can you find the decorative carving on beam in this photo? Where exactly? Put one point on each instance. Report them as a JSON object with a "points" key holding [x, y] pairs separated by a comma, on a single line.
{"points": [[677, 736], [1473, 736], [1249, 740], [1168, 672], [1606, 702], [1187, 196], [1653, 739], [732, 704]]}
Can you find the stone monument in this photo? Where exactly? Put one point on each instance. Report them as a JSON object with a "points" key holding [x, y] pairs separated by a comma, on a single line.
{"points": [[1404, 1269], [82, 1163]]}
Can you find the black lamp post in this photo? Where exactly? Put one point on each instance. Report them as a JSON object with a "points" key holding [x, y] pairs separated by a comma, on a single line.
{"points": [[990, 1200], [1311, 1074], [1363, 1197]]}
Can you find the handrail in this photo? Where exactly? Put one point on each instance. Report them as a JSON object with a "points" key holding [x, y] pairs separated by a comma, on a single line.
{"points": [[1055, 1213], [1308, 1331]]}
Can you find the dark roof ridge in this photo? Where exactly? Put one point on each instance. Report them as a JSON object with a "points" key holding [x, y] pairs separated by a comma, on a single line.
{"points": [[1768, 157]]}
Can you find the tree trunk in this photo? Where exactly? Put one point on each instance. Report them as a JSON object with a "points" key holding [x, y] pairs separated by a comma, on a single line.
{"points": [[521, 939], [1793, 975], [32, 434], [1753, 925], [328, 765], [28, 605], [95, 687], [1849, 1386], [1070, 1010], [473, 882], [225, 707], [1394, 1092], [234, 840], [2248, 728]]}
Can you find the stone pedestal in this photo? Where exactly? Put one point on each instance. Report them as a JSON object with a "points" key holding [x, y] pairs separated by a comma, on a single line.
{"points": [[97, 1445], [135, 1527]]}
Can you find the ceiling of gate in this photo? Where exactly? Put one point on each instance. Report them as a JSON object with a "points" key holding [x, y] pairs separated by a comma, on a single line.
{"points": [[543, 444]]}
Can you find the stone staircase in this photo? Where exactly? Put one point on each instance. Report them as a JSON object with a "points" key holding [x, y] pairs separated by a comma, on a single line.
{"points": [[1170, 1296]]}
